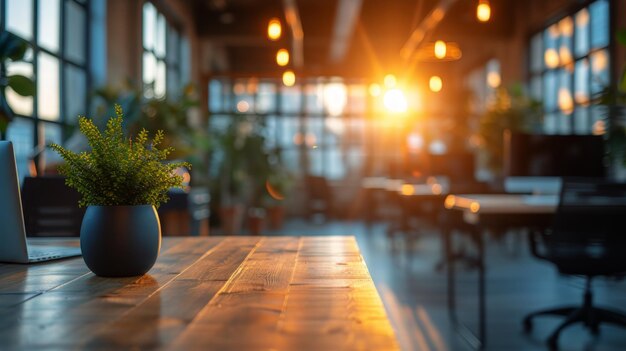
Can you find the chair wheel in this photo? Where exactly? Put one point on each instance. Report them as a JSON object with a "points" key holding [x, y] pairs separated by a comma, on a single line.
{"points": [[528, 325]]}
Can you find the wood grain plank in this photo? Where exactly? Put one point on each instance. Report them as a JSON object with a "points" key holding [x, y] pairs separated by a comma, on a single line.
{"points": [[246, 311], [70, 313], [163, 316]]}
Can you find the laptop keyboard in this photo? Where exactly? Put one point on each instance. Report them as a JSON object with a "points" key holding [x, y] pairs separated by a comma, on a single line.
{"points": [[41, 254]]}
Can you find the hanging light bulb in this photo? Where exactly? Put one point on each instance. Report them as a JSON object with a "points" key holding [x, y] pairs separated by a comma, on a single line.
{"points": [[483, 10], [435, 83], [289, 78], [274, 29], [440, 49], [282, 57]]}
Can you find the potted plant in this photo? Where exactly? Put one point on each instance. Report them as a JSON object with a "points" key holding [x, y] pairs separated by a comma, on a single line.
{"points": [[278, 184], [12, 48], [121, 181]]}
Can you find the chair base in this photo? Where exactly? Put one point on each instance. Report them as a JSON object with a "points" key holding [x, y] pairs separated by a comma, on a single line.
{"points": [[587, 314]]}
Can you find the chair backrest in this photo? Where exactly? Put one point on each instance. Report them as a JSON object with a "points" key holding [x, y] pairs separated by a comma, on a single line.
{"points": [[51, 207], [589, 231]]}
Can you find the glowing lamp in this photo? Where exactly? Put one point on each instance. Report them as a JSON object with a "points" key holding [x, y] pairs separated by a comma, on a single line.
{"points": [[395, 101], [274, 29], [282, 57], [483, 11], [289, 78], [435, 83], [440, 49]]}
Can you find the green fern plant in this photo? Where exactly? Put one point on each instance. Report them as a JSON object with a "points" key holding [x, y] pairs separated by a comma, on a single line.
{"points": [[119, 170]]}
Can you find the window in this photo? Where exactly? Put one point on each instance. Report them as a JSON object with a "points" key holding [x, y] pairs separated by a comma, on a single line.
{"points": [[319, 126], [57, 31], [165, 55], [569, 63]]}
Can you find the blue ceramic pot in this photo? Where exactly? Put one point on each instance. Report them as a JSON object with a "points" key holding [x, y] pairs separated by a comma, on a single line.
{"points": [[120, 241]]}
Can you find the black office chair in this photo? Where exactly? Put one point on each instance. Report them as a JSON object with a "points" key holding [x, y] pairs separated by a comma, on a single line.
{"points": [[588, 239], [51, 207]]}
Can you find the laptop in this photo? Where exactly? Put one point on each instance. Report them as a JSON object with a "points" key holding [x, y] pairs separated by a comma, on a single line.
{"points": [[13, 245]]}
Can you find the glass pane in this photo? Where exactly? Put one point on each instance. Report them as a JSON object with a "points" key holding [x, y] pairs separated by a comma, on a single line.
{"points": [[599, 23], [536, 57], [266, 98], [173, 83], [290, 134], [550, 124], [49, 17], [22, 105], [75, 93], [159, 47], [48, 87], [20, 17], [358, 99], [159, 83], [149, 74], [314, 131], [75, 32], [21, 133], [566, 30], [565, 99], [50, 133], [337, 164], [550, 91], [316, 161], [535, 88], [565, 124], [550, 40], [581, 82], [291, 160], [271, 130], [290, 100], [215, 96], [314, 98], [582, 32], [581, 121], [149, 25], [220, 122], [599, 71]]}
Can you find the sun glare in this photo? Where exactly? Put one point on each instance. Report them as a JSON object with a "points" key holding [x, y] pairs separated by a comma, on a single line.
{"points": [[395, 101]]}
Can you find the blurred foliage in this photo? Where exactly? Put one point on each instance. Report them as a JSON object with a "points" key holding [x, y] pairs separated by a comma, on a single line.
{"points": [[119, 170], [511, 110], [243, 163], [12, 48]]}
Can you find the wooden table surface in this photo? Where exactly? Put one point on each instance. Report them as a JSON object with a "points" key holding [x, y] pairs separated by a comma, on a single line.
{"points": [[212, 293]]}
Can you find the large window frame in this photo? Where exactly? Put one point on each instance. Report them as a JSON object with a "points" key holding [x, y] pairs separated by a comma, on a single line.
{"points": [[566, 87], [72, 63]]}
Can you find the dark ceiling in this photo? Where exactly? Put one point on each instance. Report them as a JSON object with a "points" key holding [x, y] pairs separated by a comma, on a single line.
{"points": [[382, 28]]}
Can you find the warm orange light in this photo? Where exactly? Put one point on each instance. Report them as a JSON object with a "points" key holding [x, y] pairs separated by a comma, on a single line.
{"points": [[494, 79], [599, 127], [599, 61], [282, 57], [450, 201], [274, 29], [551, 57], [435, 83], [395, 101], [566, 103], [483, 11], [275, 194], [440, 49], [436, 188], [289, 78], [565, 55], [243, 106], [390, 81], [474, 207], [407, 190], [375, 89]]}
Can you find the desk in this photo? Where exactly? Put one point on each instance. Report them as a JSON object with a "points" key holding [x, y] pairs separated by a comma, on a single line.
{"points": [[211, 293], [493, 211]]}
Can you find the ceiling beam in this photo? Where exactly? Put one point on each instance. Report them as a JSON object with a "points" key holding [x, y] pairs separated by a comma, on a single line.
{"points": [[346, 17], [292, 16]]}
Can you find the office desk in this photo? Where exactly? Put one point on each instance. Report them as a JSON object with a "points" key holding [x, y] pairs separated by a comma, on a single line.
{"points": [[493, 211], [212, 293]]}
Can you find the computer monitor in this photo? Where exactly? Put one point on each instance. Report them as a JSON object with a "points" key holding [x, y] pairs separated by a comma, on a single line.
{"points": [[536, 155]]}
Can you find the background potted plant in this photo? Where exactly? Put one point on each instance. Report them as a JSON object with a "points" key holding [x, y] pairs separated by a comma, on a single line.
{"points": [[122, 181], [12, 48]]}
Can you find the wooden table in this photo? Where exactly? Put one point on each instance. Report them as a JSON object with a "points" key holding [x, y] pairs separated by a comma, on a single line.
{"points": [[212, 293], [489, 211]]}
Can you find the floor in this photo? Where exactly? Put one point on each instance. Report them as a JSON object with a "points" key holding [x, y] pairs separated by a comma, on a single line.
{"points": [[413, 291]]}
